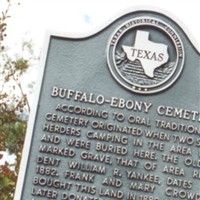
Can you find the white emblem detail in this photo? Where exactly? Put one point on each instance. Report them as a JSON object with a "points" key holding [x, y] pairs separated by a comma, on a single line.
{"points": [[151, 55]]}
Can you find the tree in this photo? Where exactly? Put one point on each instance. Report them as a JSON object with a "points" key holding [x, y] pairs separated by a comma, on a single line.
{"points": [[14, 105]]}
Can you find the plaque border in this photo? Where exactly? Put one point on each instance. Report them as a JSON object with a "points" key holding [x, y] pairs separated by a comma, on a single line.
{"points": [[42, 65]]}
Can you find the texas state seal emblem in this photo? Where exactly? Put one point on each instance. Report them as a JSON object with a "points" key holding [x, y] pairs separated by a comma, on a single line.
{"points": [[145, 55]]}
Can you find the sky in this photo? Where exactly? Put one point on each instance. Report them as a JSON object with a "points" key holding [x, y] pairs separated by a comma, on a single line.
{"points": [[36, 17]]}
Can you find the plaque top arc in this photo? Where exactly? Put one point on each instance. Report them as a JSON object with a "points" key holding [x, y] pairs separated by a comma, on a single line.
{"points": [[94, 30]]}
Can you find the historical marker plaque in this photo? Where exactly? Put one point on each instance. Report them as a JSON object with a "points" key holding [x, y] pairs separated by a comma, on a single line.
{"points": [[117, 115]]}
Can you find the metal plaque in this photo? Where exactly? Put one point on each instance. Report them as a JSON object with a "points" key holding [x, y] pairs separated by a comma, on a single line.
{"points": [[117, 115]]}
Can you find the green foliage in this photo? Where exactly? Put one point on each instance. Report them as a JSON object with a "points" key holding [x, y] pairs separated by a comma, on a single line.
{"points": [[21, 65], [15, 132], [7, 182], [14, 105]]}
